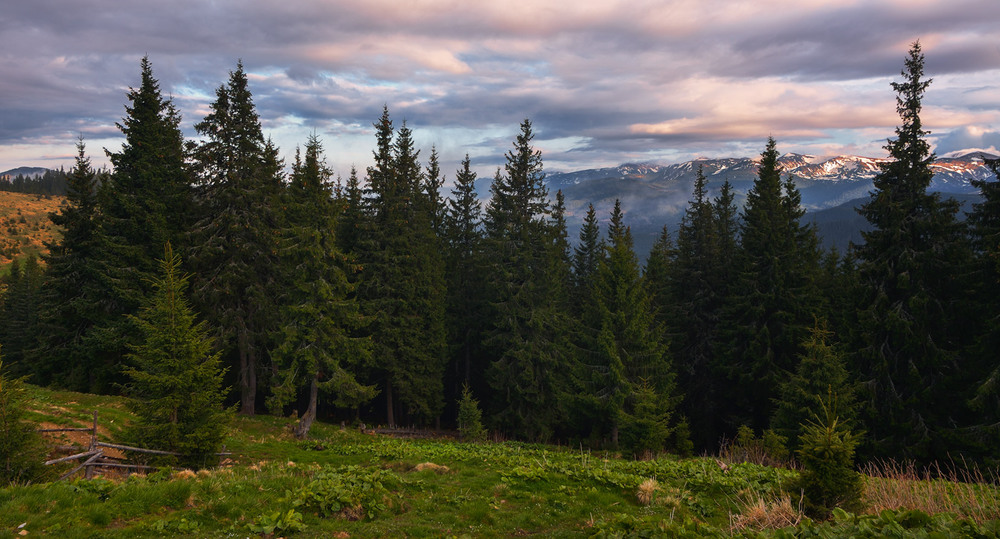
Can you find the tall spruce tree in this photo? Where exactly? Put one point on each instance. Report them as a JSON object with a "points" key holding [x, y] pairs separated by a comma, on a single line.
{"points": [[697, 306], [526, 361], [70, 290], [586, 258], [431, 187], [316, 347], [907, 355], [631, 354], [984, 224], [143, 205], [775, 298], [235, 243], [464, 263], [352, 214], [402, 286]]}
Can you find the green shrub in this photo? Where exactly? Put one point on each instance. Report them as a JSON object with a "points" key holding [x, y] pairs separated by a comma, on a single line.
{"points": [[350, 492], [826, 451], [646, 430], [769, 449], [470, 417]]}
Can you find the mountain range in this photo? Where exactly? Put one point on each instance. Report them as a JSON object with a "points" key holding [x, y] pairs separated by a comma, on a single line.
{"points": [[831, 188], [654, 195]]}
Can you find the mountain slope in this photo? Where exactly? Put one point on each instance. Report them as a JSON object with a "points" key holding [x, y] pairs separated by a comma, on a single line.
{"points": [[654, 195]]}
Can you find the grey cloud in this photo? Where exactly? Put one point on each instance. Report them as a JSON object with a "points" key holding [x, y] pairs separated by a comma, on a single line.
{"points": [[965, 138], [589, 76]]}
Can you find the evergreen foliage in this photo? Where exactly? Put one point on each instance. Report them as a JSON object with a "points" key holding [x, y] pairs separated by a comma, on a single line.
{"points": [[633, 377], [21, 447], [828, 479], [175, 377], [527, 362], [50, 182], [330, 295], [316, 347], [465, 270], [696, 282], [908, 319], [821, 370], [586, 258], [71, 293], [351, 216], [402, 287], [771, 308], [470, 417], [20, 306], [984, 225], [431, 187], [234, 240], [142, 205]]}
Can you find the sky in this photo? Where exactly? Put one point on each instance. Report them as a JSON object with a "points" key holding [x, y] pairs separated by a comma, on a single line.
{"points": [[603, 82]]}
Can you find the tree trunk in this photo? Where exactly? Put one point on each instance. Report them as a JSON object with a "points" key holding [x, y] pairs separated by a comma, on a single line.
{"points": [[302, 430], [389, 415], [247, 378]]}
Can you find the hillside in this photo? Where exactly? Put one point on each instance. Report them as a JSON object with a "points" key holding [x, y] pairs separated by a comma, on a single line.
{"points": [[346, 483], [25, 226]]}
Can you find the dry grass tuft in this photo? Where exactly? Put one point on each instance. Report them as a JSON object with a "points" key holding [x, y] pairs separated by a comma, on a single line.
{"points": [[966, 493], [647, 491], [436, 468], [760, 513], [184, 474]]}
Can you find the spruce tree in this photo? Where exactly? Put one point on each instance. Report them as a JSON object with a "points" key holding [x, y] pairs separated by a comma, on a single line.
{"points": [[907, 351], [402, 287], [352, 214], [696, 305], [658, 276], [143, 204], [316, 347], [20, 306], [21, 447], [822, 370], [526, 361], [586, 259], [175, 376], [234, 240], [431, 187], [631, 355], [70, 290], [984, 225], [464, 263], [775, 296]]}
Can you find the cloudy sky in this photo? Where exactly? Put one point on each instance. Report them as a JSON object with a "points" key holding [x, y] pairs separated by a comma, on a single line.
{"points": [[604, 82]]}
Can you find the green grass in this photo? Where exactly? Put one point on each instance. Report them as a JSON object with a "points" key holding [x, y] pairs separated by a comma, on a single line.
{"points": [[342, 483]]}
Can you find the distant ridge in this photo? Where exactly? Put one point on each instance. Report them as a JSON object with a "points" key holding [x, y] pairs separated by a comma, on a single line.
{"points": [[33, 172], [654, 195]]}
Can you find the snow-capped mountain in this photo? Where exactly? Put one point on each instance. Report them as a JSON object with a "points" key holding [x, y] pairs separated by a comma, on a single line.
{"points": [[655, 195]]}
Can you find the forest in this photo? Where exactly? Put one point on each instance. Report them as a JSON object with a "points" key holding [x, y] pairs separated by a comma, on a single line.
{"points": [[213, 270]]}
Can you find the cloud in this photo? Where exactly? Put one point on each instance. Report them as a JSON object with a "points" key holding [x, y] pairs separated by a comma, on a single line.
{"points": [[624, 80], [968, 138]]}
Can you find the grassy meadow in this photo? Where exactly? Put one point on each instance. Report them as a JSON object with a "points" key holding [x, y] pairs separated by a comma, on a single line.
{"points": [[342, 482], [25, 226]]}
